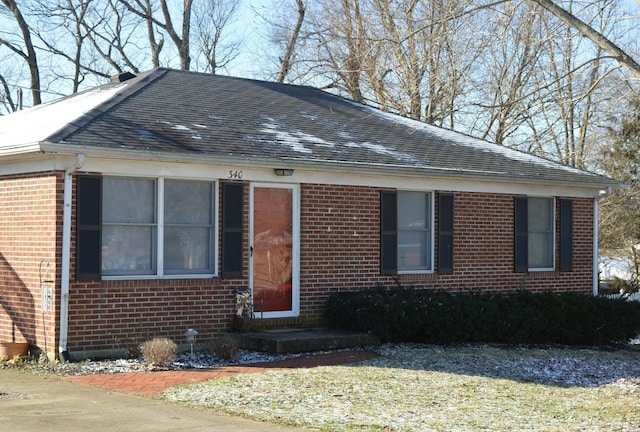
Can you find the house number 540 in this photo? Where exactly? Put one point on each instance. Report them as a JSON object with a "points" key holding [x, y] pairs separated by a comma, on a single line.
{"points": [[235, 174]]}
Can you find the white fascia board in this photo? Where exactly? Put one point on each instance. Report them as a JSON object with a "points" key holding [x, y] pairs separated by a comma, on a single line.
{"points": [[19, 149], [327, 173], [28, 164], [245, 170]]}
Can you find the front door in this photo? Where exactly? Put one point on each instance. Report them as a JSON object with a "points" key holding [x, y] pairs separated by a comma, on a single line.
{"points": [[273, 253]]}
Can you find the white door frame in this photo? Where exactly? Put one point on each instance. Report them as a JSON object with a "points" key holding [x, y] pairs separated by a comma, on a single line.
{"points": [[295, 239]]}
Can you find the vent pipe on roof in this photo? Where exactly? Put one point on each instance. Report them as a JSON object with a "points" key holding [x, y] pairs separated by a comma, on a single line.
{"points": [[126, 76]]}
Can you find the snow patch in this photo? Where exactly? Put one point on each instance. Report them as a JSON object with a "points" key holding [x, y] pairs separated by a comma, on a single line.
{"points": [[301, 141], [468, 141], [36, 124], [194, 135]]}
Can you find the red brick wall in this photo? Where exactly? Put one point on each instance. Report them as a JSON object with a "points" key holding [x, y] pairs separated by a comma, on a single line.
{"points": [[30, 234], [339, 246], [122, 314], [483, 249], [339, 242]]}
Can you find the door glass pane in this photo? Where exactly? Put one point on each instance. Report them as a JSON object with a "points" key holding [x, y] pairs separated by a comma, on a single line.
{"points": [[272, 249]]}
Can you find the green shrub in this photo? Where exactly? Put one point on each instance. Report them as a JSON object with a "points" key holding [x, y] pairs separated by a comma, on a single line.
{"points": [[159, 352], [408, 315]]}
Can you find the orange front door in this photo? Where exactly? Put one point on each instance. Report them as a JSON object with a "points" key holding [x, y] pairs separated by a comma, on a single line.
{"points": [[272, 250]]}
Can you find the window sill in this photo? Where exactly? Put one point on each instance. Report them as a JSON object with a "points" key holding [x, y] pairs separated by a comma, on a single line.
{"points": [[541, 270], [155, 277]]}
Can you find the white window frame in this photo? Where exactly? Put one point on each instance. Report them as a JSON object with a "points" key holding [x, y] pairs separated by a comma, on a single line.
{"points": [[431, 216], [553, 234], [160, 206]]}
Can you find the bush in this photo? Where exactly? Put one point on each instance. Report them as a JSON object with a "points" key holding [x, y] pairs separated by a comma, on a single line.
{"points": [[159, 352], [225, 348], [407, 315]]}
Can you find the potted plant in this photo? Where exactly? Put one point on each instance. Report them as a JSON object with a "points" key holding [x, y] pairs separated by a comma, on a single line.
{"points": [[244, 312], [10, 350]]}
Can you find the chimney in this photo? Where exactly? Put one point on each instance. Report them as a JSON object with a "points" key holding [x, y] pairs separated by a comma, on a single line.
{"points": [[126, 76]]}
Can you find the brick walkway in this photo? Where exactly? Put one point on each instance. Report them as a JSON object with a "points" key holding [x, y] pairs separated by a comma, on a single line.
{"points": [[148, 383]]}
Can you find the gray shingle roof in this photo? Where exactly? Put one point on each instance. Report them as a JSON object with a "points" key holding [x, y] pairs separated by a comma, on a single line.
{"points": [[197, 115]]}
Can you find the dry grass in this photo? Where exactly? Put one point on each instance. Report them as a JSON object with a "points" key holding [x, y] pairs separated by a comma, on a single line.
{"points": [[159, 352], [422, 388]]}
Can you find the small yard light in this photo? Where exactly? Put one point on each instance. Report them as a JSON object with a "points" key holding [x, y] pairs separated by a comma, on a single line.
{"points": [[190, 334]]}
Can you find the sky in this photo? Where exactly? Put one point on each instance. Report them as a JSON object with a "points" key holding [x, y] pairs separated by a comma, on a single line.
{"points": [[252, 61]]}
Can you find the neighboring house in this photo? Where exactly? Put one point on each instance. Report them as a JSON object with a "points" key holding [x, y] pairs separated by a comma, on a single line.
{"points": [[138, 209]]}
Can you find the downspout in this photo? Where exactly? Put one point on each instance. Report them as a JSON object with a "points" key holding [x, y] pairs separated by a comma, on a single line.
{"points": [[596, 235], [66, 257]]}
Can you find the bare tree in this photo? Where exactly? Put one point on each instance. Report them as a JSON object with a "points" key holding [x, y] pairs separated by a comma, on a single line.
{"points": [[27, 51], [340, 35], [286, 59], [5, 96], [570, 89], [212, 19], [592, 34], [181, 39], [64, 20], [113, 31], [509, 60]]}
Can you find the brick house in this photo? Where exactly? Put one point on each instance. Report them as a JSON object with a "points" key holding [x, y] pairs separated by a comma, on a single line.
{"points": [[138, 208]]}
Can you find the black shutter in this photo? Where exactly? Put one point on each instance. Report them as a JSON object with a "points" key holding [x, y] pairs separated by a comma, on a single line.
{"points": [[521, 227], [566, 235], [445, 233], [232, 229], [89, 228], [388, 233]]}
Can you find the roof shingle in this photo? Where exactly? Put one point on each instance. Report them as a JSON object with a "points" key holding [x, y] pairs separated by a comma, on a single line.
{"points": [[193, 114]]}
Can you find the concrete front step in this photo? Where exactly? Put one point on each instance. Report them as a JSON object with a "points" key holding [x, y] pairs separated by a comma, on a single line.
{"points": [[288, 341]]}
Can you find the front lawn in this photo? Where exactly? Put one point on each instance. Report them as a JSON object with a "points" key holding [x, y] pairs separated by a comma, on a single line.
{"points": [[431, 388]]}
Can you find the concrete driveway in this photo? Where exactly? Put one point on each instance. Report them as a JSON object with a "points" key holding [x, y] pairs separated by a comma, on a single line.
{"points": [[36, 403]]}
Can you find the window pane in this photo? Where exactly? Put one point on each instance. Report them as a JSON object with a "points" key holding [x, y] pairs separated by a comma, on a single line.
{"points": [[540, 251], [187, 248], [414, 231], [412, 210], [128, 200], [540, 214], [128, 250], [187, 202], [188, 233], [540, 236], [412, 251]]}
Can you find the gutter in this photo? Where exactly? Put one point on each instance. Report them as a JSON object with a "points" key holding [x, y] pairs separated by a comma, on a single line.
{"points": [[596, 235], [66, 257]]}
